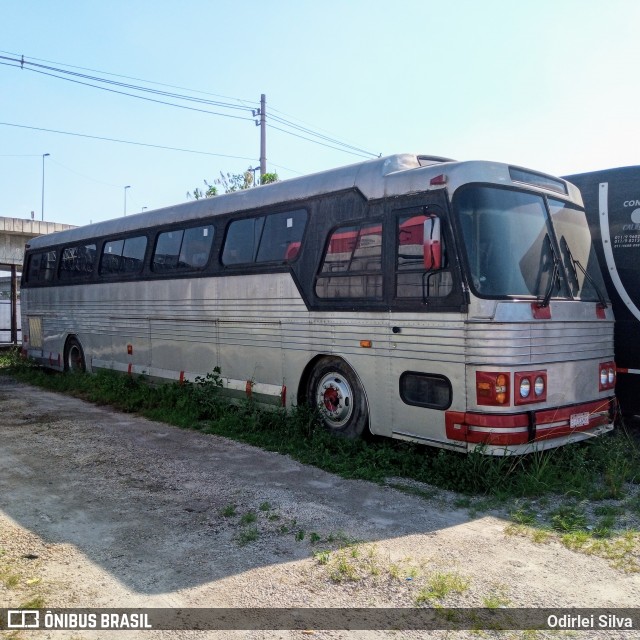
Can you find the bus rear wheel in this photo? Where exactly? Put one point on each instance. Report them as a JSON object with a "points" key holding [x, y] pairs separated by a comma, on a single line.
{"points": [[337, 393], [74, 357]]}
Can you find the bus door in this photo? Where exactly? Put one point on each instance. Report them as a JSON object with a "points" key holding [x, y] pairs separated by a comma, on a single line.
{"points": [[426, 348]]}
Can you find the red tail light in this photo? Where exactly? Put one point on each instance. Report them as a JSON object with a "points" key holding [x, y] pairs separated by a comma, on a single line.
{"points": [[492, 388]]}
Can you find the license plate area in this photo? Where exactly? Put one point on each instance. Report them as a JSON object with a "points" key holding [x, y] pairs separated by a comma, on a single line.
{"points": [[579, 420]]}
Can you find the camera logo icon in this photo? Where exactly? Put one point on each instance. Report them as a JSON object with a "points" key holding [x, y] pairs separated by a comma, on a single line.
{"points": [[23, 619]]}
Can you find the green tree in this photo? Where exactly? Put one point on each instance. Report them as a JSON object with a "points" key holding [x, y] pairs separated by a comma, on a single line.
{"points": [[198, 193], [230, 182], [269, 178]]}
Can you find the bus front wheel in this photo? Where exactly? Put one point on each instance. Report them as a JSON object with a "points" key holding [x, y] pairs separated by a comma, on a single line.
{"points": [[74, 356], [336, 391]]}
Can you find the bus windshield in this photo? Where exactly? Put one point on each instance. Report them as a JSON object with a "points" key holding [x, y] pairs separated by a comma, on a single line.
{"points": [[515, 248], [509, 244], [577, 252]]}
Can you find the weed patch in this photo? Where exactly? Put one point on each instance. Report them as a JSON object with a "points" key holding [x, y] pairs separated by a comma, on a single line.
{"points": [[597, 469], [440, 585]]}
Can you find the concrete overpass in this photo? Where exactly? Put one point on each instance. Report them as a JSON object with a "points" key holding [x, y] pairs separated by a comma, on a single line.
{"points": [[14, 234]]}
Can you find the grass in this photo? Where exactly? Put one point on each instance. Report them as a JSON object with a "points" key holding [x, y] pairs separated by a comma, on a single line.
{"points": [[599, 470], [25, 588], [350, 563], [248, 518], [228, 511], [595, 531], [440, 585], [247, 535]]}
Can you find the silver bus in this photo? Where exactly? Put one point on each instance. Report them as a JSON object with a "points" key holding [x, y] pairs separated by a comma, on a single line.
{"points": [[455, 304]]}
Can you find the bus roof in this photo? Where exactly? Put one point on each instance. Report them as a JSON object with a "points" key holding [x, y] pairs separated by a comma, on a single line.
{"points": [[387, 176]]}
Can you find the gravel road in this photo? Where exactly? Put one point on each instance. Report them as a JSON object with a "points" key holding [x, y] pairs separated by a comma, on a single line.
{"points": [[104, 509]]}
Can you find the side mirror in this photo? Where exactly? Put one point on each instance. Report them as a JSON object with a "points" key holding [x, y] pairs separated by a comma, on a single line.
{"points": [[431, 244]]}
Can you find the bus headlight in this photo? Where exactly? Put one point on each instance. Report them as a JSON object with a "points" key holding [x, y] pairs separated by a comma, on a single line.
{"points": [[525, 387]]}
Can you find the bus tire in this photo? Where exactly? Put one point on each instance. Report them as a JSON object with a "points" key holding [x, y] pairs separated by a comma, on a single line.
{"points": [[338, 394], [74, 356]]}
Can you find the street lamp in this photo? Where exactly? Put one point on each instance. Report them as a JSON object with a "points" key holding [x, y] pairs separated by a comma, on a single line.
{"points": [[44, 155], [125, 198]]}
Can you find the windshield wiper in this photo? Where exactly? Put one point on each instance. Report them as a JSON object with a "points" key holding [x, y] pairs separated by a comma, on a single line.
{"points": [[555, 275], [576, 263]]}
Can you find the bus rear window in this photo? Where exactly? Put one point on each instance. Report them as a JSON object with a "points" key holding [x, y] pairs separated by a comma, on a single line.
{"points": [[42, 267]]}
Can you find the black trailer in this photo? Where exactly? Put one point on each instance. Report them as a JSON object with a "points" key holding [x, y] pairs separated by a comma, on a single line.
{"points": [[612, 201]]}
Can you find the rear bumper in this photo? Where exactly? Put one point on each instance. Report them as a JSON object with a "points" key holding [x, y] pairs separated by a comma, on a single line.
{"points": [[545, 427]]}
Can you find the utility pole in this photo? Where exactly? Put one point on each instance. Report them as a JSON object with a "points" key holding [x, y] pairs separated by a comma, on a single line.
{"points": [[263, 134], [44, 155], [14, 305]]}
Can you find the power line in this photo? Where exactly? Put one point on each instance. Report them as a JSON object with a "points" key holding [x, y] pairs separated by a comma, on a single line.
{"points": [[139, 144], [296, 135], [116, 75], [133, 95], [322, 139], [108, 184], [125, 85]]}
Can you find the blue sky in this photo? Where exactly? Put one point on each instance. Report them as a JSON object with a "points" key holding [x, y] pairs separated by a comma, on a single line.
{"points": [[548, 84]]}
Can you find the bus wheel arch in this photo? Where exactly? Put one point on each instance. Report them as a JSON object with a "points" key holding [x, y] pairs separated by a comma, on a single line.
{"points": [[331, 385], [74, 359]]}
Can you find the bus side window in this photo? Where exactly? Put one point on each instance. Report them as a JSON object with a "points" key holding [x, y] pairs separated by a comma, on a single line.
{"points": [[196, 247], [133, 254], [77, 261], [167, 251], [110, 260], [242, 240], [276, 237], [282, 236], [415, 252], [352, 264], [123, 256]]}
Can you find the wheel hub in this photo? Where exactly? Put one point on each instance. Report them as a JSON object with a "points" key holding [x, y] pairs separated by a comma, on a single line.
{"points": [[335, 400]]}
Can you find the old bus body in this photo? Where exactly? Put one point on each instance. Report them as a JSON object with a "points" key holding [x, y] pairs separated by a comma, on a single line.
{"points": [[612, 204], [455, 304]]}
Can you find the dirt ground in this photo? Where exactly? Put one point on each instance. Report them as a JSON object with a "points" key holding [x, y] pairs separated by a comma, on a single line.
{"points": [[104, 509]]}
